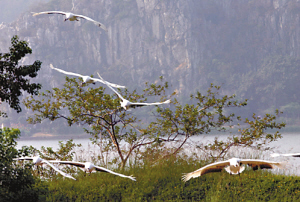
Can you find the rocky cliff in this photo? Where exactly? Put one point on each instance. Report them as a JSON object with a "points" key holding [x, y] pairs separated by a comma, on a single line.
{"points": [[190, 42]]}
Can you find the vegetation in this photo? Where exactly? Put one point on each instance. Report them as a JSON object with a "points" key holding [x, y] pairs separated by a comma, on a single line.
{"points": [[162, 182], [13, 78], [109, 124], [261, 67], [157, 169], [17, 183]]}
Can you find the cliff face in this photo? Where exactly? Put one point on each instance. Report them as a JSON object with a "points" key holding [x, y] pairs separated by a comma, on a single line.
{"points": [[190, 42]]}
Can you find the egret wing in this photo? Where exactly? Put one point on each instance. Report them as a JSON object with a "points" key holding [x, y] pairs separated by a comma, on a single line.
{"points": [[139, 104], [118, 94], [57, 170], [65, 72], [23, 158], [294, 155], [101, 169], [213, 167], [50, 12], [94, 21], [263, 164], [78, 164], [111, 84]]}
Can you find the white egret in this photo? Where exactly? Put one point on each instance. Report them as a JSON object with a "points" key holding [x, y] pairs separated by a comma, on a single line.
{"points": [[86, 79], [232, 166], [72, 17], [126, 104], [39, 161], [89, 167]]}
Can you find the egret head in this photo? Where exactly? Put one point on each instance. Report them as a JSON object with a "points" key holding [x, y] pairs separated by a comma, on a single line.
{"points": [[89, 167], [125, 104], [235, 162], [36, 160]]}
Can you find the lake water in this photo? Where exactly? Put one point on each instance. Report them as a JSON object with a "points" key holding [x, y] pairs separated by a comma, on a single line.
{"points": [[290, 143]]}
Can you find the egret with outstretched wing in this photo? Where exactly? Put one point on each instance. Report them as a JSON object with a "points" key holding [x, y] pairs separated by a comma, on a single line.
{"points": [[232, 166], [39, 161], [126, 104], [72, 17], [89, 167], [86, 79]]}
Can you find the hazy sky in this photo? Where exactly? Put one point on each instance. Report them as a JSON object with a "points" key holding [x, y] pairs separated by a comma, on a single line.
{"points": [[10, 10]]}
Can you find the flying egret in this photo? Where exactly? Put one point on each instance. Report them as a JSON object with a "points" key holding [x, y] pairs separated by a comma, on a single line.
{"points": [[39, 161], [126, 104], [293, 155], [72, 17], [89, 167], [86, 79], [232, 166]]}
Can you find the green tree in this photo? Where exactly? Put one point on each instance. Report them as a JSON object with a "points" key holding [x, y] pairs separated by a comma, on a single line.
{"points": [[101, 113], [17, 183], [252, 133], [109, 124], [211, 111], [13, 77]]}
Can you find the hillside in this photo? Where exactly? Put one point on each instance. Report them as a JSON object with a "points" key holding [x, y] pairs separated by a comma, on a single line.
{"points": [[251, 48]]}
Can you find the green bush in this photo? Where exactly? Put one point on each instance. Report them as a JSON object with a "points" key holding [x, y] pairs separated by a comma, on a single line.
{"points": [[16, 183]]}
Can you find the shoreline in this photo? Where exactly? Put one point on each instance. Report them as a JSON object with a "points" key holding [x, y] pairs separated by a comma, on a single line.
{"points": [[54, 137], [85, 136]]}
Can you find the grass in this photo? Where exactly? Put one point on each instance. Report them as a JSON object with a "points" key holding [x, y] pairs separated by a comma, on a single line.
{"points": [[162, 182]]}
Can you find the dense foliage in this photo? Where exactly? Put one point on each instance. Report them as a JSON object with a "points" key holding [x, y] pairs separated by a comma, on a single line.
{"points": [[13, 77], [16, 183]]}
